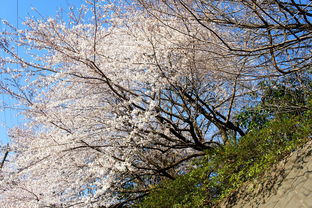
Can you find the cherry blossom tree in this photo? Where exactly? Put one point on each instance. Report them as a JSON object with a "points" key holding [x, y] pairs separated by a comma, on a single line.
{"points": [[116, 101], [272, 33]]}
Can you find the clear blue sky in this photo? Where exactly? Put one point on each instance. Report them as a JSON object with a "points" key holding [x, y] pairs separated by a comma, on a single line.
{"points": [[11, 10]]}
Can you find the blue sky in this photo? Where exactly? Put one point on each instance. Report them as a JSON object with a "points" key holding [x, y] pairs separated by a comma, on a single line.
{"points": [[15, 11]]}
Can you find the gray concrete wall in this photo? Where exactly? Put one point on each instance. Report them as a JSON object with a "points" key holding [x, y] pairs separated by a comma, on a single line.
{"points": [[287, 185]]}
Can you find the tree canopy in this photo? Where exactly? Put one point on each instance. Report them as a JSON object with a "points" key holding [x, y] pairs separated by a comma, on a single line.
{"points": [[120, 97]]}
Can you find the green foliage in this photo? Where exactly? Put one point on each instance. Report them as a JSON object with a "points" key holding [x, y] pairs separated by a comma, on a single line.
{"points": [[276, 127], [258, 150], [183, 192], [277, 100], [253, 118], [229, 167]]}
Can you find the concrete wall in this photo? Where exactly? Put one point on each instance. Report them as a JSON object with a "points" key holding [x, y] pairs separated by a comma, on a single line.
{"points": [[287, 185]]}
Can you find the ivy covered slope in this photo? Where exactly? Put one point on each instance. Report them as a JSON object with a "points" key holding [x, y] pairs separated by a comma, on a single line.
{"points": [[276, 127]]}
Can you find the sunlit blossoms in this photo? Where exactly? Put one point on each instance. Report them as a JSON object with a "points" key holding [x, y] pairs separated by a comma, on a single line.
{"points": [[117, 100]]}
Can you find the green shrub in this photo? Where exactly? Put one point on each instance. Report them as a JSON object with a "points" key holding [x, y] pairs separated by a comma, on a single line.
{"points": [[272, 134], [258, 150]]}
